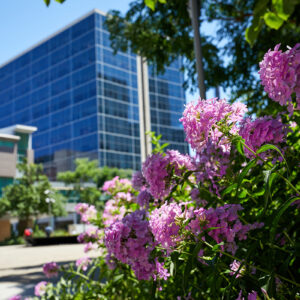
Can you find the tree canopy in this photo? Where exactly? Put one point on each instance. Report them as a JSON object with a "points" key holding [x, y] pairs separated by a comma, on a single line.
{"points": [[26, 197], [165, 33], [87, 172]]}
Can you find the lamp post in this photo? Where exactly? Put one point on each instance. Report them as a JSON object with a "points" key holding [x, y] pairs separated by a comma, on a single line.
{"points": [[49, 200]]}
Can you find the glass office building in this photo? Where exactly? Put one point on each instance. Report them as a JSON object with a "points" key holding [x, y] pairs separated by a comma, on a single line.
{"points": [[84, 100]]}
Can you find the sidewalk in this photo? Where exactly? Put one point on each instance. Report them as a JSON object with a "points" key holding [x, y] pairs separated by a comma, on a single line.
{"points": [[21, 266]]}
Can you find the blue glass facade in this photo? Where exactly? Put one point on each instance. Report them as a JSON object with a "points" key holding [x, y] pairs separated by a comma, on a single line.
{"points": [[84, 99]]}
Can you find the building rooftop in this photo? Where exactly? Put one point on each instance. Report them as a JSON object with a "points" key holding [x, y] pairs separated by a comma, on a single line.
{"points": [[18, 128], [9, 137], [53, 35]]}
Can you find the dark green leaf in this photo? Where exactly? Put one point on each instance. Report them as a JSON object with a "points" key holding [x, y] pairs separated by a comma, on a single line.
{"points": [[47, 2], [229, 189], [267, 147], [250, 165], [277, 217], [280, 9]]}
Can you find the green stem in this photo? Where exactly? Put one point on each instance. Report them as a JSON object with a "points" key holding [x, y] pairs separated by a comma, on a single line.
{"points": [[250, 265], [282, 177]]}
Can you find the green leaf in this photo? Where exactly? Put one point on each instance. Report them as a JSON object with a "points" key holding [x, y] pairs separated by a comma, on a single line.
{"points": [[273, 21], [252, 31], [190, 263], [260, 7], [268, 179], [60, 1], [239, 145], [250, 165], [150, 4], [267, 147], [229, 189], [47, 2], [280, 9], [162, 1], [280, 212]]}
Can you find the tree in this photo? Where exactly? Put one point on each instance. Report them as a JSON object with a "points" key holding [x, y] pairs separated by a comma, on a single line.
{"points": [[88, 178], [164, 34], [161, 32], [83, 180], [108, 173], [26, 197]]}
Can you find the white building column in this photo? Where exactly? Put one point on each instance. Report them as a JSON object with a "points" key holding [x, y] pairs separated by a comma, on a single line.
{"points": [[144, 106]]}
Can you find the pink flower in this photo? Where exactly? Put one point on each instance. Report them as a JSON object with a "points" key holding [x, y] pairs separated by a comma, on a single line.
{"points": [[115, 185], [89, 246], [81, 208], [16, 297], [236, 266], [112, 212], [90, 214], [50, 269], [280, 74], [143, 199], [262, 131], [83, 263], [130, 241], [87, 212], [200, 122], [138, 180], [158, 168], [163, 225], [40, 288]]}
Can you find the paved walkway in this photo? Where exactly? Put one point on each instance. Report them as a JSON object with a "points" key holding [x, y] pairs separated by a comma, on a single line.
{"points": [[21, 266]]}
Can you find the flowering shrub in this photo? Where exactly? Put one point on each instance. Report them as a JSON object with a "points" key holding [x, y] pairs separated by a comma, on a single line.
{"points": [[223, 224]]}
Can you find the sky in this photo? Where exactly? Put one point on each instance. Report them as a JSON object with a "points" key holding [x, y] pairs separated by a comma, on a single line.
{"points": [[27, 22]]}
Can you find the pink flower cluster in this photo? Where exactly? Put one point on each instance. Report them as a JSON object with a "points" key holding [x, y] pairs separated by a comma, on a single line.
{"points": [[157, 171], [40, 288], [116, 185], [51, 269], [138, 180], [225, 218], [262, 131], [164, 227], [83, 263], [91, 234], [200, 122], [143, 198], [130, 241], [112, 212], [87, 212], [280, 74]]}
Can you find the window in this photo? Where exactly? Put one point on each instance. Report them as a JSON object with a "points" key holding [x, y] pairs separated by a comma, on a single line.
{"points": [[61, 101], [61, 117], [83, 76], [83, 59], [40, 65], [60, 86], [85, 126], [84, 92], [84, 109], [83, 26]]}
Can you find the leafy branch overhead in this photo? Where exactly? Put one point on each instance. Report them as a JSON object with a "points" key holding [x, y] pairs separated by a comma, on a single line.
{"points": [[59, 1], [274, 13]]}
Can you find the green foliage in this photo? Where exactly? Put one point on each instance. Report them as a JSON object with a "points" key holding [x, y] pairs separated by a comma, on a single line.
{"points": [[274, 13], [165, 34], [108, 173], [47, 2], [26, 197], [158, 148], [82, 180], [87, 178]]}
